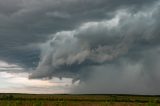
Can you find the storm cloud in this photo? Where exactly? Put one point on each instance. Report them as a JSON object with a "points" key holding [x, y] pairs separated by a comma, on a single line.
{"points": [[114, 44], [24, 24]]}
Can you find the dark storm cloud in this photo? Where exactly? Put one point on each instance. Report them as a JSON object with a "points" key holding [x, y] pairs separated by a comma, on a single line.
{"points": [[79, 38], [31, 21], [115, 53]]}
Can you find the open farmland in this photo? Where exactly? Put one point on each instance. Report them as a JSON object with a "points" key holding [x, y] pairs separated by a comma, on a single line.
{"points": [[77, 100]]}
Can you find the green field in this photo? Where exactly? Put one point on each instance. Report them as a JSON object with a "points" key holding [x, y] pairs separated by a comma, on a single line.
{"points": [[77, 100]]}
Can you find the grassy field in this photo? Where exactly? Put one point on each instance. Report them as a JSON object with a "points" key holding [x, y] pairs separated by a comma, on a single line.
{"points": [[77, 100]]}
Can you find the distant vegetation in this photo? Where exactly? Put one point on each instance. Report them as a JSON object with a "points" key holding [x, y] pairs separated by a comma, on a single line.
{"points": [[77, 100]]}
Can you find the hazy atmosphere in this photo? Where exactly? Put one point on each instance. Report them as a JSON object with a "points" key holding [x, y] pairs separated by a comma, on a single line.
{"points": [[80, 46]]}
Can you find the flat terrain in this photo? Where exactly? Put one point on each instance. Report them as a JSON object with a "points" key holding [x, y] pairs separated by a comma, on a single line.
{"points": [[77, 100]]}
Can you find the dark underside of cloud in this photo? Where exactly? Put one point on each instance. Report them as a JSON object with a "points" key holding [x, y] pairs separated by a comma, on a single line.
{"points": [[110, 46]]}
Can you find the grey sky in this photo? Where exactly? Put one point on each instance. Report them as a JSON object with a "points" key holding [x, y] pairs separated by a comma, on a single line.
{"points": [[100, 41]]}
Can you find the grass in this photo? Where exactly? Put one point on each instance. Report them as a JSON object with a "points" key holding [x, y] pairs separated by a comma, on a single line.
{"points": [[77, 100]]}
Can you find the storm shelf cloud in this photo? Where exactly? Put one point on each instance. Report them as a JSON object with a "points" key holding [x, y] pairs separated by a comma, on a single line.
{"points": [[106, 46]]}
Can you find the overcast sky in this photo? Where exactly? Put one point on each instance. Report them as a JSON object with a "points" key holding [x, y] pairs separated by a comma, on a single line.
{"points": [[80, 46]]}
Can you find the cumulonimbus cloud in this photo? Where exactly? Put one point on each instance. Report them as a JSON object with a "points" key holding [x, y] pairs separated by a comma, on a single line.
{"points": [[30, 22], [109, 42], [129, 42]]}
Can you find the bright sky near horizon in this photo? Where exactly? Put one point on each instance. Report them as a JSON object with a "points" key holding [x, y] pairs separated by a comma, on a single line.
{"points": [[19, 82]]}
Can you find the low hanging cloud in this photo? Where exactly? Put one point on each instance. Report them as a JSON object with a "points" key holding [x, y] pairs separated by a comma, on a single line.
{"points": [[30, 22], [120, 54], [109, 46]]}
